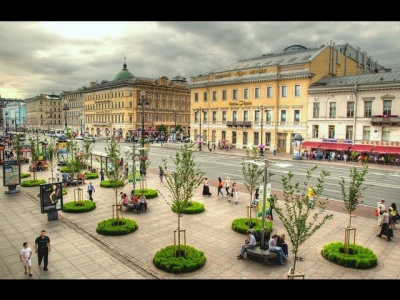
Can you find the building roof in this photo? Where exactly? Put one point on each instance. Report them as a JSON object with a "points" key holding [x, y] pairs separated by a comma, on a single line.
{"points": [[358, 79], [123, 74]]}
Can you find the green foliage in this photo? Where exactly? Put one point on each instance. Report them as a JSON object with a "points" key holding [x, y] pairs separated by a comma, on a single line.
{"points": [[74, 163], [299, 219], [253, 175], [86, 149], [355, 188], [242, 225], [51, 156], [148, 193], [90, 175], [192, 208], [112, 184], [182, 182], [116, 226], [79, 207], [167, 259], [68, 169], [32, 183], [24, 175], [361, 258]]}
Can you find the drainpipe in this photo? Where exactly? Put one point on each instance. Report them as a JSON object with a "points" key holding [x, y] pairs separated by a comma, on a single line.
{"points": [[355, 113]]}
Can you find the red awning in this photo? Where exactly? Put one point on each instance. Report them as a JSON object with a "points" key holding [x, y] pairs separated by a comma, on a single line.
{"points": [[308, 144], [362, 148], [386, 150], [334, 146]]}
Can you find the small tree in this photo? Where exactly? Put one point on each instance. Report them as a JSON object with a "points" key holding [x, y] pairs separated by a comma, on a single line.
{"points": [[18, 147], [51, 157], [182, 184], [296, 217], [352, 198], [86, 149], [252, 174], [115, 173]]}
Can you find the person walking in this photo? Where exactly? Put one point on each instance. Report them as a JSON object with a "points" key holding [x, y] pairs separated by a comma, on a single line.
{"points": [[380, 206], [25, 256], [227, 185], [101, 175], [161, 174], [219, 185], [385, 225], [43, 248], [234, 193], [393, 215], [91, 190]]}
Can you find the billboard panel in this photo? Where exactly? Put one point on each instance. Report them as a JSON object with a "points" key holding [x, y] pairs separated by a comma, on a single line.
{"points": [[51, 198], [11, 173]]}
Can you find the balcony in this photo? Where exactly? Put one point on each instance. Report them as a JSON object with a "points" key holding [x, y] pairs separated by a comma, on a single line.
{"points": [[385, 120], [246, 124]]}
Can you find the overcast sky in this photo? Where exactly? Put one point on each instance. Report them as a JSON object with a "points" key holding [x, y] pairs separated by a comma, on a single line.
{"points": [[51, 57]]}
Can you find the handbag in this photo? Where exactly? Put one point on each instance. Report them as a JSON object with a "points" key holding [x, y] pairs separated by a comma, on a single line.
{"points": [[376, 212], [390, 232]]}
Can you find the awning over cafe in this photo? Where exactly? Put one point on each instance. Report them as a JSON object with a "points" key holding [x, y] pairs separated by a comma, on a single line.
{"points": [[309, 144], [386, 150], [362, 148], [334, 146]]}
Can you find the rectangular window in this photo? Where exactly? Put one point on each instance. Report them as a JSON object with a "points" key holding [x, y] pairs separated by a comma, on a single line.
{"points": [[234, 116], [234, 94], [224, 95], [257, 115], [387, 108], [224, 116], [205, 97], [269, 92], [315, 130], [214, 117], [331, 131], [234, 137], [257, 93], [256, 138], [214, 95], [316, 110], [367, 109], [296, 116], [268, 139], [196, 116], [350, 109], [349, 132], [284, 91], [385, 133], [268, 115], [196, 97], [246, 116], [223, 133], [332, 110], [283, 115], [366, 133], [246, 94], [297, 92], [245, 137], [205, 116]]}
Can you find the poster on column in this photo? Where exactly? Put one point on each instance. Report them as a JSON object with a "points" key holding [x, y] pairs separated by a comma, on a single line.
{"points": [[267, 203], [51, 198]]}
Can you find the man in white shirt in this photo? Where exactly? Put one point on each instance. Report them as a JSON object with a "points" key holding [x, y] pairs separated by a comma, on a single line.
{"points": [[250, 243]]}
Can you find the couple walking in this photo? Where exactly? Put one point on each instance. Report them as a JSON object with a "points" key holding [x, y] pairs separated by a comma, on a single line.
{"points": [[230, 188]]}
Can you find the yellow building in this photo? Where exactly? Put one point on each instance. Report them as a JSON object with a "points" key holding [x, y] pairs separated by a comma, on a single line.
{"points": [[264, 100], [114, 107]]}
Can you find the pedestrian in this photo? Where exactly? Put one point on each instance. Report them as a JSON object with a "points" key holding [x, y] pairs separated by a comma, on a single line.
{"points": [[219, 185], [249, 243], [64, 177], [385, 225], [345, 158], [161, 174], [25, 256], [90, 191], [274, 150], [58, 175], [311, 195], [206, 188], [234, 193], [227, 185], [102, 175], [43, 248], [381, 207]]}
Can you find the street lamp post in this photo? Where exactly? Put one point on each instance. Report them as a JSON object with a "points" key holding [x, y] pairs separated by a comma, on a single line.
{"points": [[262, 121], [143, 102], [65, 109], [175, 113], [6, 122], [200, 142]]}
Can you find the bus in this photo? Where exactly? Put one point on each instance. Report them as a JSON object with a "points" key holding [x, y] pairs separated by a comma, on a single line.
{"points": [[55, 133]]}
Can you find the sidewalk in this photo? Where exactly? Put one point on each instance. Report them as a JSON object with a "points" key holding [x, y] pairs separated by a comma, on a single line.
{"points": [[79, 252]]}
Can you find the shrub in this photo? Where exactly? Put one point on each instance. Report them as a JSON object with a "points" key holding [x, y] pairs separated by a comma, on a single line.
{"points": [[79, 206], [148, 193], [91, 175], [32, 183], [111, 184], [24, 175], [358, 257], [192, 208], [165, 260], [242, 225], [120, 226]]}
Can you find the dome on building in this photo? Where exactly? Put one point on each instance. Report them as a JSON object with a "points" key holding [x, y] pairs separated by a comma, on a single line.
{"points": [[123, 74]]}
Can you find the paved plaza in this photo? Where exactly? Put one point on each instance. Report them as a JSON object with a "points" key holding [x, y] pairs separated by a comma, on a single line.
{"points": [[78, 252]]}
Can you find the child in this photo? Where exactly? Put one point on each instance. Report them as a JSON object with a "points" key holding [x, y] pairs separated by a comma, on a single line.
{"points": [[25, 257]]}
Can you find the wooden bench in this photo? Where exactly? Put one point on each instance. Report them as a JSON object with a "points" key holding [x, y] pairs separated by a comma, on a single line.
{"points": [[259, 255], [74, 182]]}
